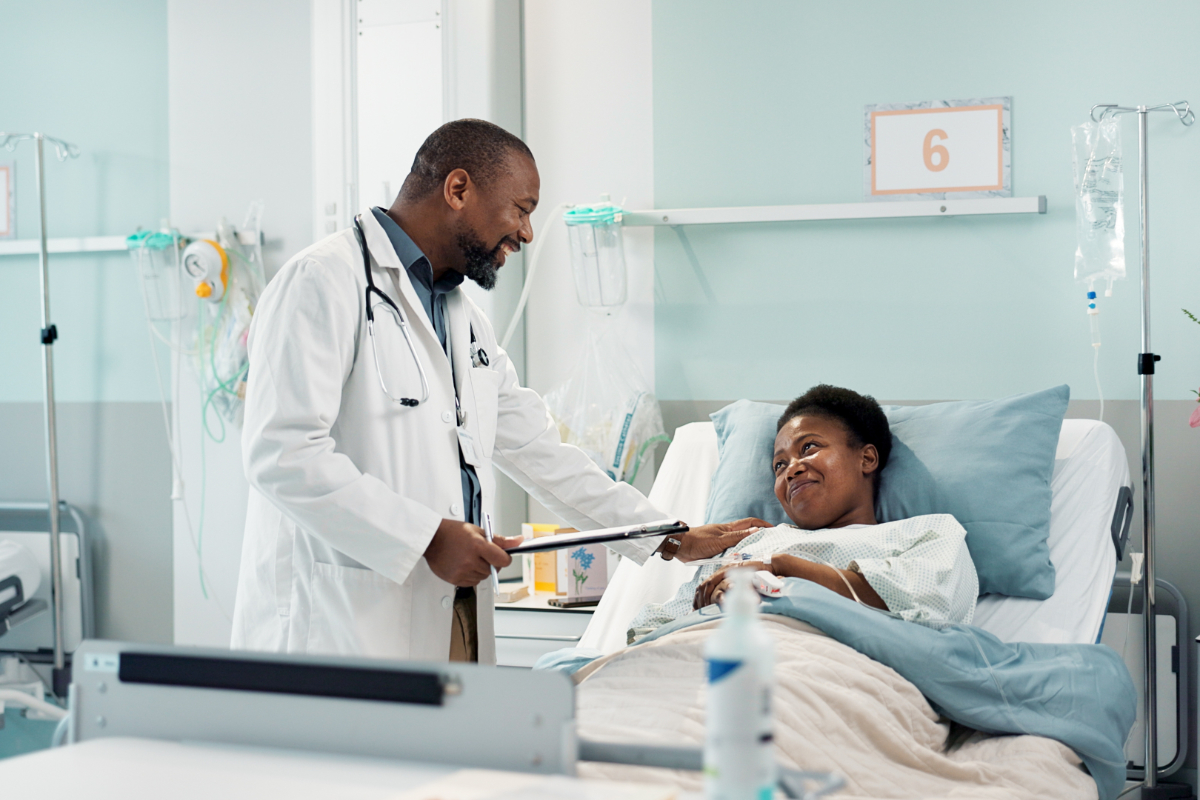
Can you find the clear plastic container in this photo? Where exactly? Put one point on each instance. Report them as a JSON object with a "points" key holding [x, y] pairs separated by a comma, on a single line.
{"points": [[156, 257], [597, 254]]}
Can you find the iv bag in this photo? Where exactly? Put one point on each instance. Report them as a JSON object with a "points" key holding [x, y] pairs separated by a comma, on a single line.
{"points": [[1099, 202], [605, 408]]}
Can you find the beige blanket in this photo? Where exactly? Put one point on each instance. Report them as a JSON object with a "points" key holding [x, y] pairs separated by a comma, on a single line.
{"points": [[835, 710]]}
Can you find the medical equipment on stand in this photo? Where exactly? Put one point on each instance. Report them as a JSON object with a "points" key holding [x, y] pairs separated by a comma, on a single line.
{"points": [[49, 333], [392, 310], [1099, 219], [739, 752], [1145, 367]]}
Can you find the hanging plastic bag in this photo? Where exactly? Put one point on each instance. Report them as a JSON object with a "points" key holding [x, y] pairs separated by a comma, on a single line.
{"points": [[1099, 202], [606, 407]]}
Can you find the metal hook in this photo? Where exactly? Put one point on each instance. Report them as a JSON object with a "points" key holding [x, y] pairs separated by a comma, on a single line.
{"points": [[1182, 109], [63, 150]]}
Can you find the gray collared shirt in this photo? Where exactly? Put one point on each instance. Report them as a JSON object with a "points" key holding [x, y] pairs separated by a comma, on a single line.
{"points": [[433, 299]]}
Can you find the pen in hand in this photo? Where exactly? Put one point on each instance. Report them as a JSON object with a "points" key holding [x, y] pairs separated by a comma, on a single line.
{"points": [[487, 530]]}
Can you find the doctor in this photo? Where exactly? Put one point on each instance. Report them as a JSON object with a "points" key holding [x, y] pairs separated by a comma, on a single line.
{"points": [[378, 401]]}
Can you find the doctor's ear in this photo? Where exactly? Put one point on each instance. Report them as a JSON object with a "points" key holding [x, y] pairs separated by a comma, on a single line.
{"points": [[456, 187]]}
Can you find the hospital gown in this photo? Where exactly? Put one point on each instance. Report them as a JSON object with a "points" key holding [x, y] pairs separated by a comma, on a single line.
{"points": [[920, 567]]}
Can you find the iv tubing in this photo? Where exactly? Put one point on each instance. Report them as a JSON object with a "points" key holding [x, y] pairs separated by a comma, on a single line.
{"points": [[555, 213]]}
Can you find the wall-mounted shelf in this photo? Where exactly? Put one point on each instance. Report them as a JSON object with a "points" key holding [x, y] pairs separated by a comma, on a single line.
{"points": [[76, 244], [90, 244], [828, 211]]}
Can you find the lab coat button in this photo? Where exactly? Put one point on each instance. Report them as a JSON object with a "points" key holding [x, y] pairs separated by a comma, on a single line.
{"points": [[447, 602], [455, 508], [446, 416]]}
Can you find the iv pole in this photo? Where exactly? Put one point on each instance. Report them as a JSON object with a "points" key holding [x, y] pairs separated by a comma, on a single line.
{"points": [[1145, 368], [48, 334]]}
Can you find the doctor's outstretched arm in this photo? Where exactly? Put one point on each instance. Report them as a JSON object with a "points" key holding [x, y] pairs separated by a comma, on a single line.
{"points": [[561, 477]]}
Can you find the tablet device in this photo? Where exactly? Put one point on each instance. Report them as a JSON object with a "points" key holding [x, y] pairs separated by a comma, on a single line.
{"points": [[603, 536]]}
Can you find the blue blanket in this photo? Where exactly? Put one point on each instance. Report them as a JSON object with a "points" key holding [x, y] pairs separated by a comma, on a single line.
{"points": [[1081, 695]]}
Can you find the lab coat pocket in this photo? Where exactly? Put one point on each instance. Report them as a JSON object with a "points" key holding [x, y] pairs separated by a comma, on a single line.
{"points": [[486, 385], [356, 611]]}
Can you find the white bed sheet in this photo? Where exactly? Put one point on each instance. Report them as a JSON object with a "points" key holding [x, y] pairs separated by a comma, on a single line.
{"points": [[1090, 467]]}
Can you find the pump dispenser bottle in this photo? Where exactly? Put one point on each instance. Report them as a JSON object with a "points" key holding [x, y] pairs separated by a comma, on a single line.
{"points": [[739, 753]]}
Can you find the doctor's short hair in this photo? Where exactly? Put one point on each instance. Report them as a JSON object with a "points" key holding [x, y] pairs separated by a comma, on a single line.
{"points": [[859, 414], [479, 147]]}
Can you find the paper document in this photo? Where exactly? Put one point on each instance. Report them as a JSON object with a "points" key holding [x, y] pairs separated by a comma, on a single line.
{"points": [[486, 784]]}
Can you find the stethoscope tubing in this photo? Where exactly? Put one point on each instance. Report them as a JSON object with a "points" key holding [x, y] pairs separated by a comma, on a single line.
{"points": [[407, 402]]}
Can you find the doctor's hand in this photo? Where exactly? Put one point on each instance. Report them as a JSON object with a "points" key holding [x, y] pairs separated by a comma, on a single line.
{"points": [[460, 553], [707, 541]]}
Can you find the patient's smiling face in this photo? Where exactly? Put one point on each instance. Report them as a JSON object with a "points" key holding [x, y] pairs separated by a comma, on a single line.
{"points": [[822, 478]]}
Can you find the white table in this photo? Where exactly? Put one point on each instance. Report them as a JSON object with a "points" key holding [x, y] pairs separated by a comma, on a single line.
{"points": [[530, 627]]}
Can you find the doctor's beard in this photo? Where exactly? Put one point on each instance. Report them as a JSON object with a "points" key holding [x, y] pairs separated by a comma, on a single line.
{"points": [[480, 263]]}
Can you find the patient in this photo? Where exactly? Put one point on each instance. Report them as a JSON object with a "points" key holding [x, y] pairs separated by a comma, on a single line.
{"points": [[831, 446]]}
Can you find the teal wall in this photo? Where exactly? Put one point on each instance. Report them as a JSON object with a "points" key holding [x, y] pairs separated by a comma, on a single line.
{"points": [[94, 74], [762, 103]]}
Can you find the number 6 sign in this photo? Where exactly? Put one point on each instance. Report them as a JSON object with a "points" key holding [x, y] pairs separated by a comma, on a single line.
{"points": [[938, 148]]}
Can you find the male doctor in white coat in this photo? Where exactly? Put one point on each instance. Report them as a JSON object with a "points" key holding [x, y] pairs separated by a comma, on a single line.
{"points": [[370, 457]]}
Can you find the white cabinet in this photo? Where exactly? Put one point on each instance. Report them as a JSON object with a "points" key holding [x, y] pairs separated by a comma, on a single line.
{"points": [[530, 628]]}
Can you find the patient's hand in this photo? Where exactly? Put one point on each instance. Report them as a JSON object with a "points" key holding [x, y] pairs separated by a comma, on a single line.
{"points": [[713, 590], [707, 541]]}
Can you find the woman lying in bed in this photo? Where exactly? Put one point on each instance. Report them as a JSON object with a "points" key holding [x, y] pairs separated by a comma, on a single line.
{"points": [[832, 444]]}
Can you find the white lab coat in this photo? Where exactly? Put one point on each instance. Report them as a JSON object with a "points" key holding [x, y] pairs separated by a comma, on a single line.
{"points": [[347, 488]]}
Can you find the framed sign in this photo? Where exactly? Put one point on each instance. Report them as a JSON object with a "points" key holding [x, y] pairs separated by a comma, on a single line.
{"points": [[8, 228], [938, 149]]}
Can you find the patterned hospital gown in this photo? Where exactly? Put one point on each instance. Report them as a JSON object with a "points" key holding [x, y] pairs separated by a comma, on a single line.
{"points": [[920, 567]]}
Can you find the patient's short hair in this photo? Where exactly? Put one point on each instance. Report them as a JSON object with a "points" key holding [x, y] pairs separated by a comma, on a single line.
{"points": [[479, 147], [862, 417]]}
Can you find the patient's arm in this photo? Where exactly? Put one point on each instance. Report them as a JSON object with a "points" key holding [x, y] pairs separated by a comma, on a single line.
{"points": [[786, 566]]}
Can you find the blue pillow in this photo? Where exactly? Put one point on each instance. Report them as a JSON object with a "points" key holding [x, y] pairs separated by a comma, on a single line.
{"points": [[947, 458]]}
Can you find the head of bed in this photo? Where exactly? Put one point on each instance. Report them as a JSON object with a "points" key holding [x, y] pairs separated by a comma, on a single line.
{"points": [[1090, 473]]}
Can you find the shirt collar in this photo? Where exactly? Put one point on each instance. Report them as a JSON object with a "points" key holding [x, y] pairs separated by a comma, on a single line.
{"points": [[414, 261]]}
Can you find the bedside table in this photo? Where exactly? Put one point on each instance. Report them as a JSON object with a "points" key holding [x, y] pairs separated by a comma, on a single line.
{"points": [[530, 628]]}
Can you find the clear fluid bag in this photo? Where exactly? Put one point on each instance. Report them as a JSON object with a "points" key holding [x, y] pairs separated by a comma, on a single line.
{"points": [[1099, 202], [597, 254], [156, 258]]}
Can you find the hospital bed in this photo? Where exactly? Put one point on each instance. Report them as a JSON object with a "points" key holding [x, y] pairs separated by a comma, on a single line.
{"points": [[1090, 513]]}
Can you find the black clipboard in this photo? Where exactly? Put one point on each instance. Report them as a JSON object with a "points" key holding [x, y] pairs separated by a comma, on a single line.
{"points": [[562, 541]]}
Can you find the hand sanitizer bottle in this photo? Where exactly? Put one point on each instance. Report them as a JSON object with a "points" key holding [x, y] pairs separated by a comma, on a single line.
{"points": [[739, 753]]}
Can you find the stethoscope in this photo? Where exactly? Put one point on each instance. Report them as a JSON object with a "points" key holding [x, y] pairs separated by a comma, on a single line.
{"points": [[389, 306], [478, 355]]}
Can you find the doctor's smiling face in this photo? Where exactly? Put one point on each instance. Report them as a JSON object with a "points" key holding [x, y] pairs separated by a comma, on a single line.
{"points": [[824, 477], [494, 218], [467, 199]]}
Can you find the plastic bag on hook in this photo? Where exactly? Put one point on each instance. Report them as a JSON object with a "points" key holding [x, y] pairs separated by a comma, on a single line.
{"points": [[1099, 202], [606, 408]]}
